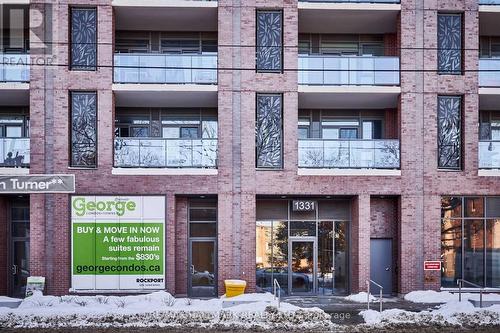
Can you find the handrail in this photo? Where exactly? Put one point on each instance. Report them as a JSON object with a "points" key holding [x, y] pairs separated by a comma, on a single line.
{"points": [[460, 282], [277, 287], [368, 296]]}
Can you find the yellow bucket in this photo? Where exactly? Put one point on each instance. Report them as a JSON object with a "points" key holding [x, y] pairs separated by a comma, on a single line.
{"points": [[235, 287]]}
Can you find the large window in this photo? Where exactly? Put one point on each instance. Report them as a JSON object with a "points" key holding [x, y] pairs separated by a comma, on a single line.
{"points": [[449, 132], [166, 123], [269, 131], [449, 43], [470, 240], [83, 129], [269, 41], [83, 38], [284, 241], [342, 44]]}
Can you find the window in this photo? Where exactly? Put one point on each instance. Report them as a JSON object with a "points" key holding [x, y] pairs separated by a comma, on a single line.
{"points": [[449, 43], [269, 131], [83, 38], [470, 240], [269, 39], [449, 132], [83, 129]]}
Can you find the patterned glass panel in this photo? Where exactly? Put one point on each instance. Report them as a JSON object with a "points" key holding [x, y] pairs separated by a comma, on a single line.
{"points": [[449, 43], [269, 131], [84, 129], [269, 41], [449, 132], [83, 38]]}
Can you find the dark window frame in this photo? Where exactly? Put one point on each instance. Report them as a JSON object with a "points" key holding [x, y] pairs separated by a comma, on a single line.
{"points": [[282, 53], [70, 146], [461, 135]]}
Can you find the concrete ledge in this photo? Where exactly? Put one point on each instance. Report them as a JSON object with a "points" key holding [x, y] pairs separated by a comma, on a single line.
{"points": [[488, 172], [350, 6], [164, 87], [164, 3], [347, 172], [489, 9], [164, 171], [303, 88], [14, 171], [14, 85], [489, 91]]}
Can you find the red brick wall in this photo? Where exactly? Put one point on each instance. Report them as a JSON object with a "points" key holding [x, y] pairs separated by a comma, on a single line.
{"points": [[4, 247], [181, 245], [238, 182]]}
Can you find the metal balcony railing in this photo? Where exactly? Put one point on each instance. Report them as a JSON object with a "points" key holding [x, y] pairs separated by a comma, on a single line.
{"points": [[489, 72], [351, 70], [14, 152], [165, 68], [489, 154], [165, 153], [14, 68], [354, 1], [352, 154]]}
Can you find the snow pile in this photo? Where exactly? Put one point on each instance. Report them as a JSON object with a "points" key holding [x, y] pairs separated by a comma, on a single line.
{"points": [[159, 309], [430, 296], [453, 313], [361, 297]]}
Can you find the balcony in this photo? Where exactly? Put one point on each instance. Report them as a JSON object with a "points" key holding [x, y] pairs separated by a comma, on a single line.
{"points": [[165, 68], [489, 154], [14, 152], [341, 70], [349, 154], [489, 72], [15, 68], [369, 1], [165, 153]]}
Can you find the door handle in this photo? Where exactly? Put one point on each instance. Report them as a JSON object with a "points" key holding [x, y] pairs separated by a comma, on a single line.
{"points": [[14, 269], [387, 269], [192, 269]]}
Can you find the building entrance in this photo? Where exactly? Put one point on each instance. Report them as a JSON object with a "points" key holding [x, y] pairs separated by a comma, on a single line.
{"points": [[307, 256], [19, 247]]}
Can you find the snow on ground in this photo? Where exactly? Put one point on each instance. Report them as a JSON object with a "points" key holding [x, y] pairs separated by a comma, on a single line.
{"points": [[5, 299], [430, 296], [451, 313], [160, 309], [361, 297]]}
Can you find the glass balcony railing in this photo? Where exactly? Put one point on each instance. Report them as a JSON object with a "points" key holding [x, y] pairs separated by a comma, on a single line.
{"points": [[489, 154], [489, 72], [165, 153], [14, 68], [165, 68], [352, 154], [489, 2], [356, 70], [14, 152], [354, 1]]}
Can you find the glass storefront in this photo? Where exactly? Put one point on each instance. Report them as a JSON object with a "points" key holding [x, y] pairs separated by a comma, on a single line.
{"points": [[307, 251], [470, 241]]}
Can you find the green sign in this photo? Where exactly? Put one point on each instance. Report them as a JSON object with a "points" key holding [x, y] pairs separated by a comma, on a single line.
{"points": [[118, 242]]}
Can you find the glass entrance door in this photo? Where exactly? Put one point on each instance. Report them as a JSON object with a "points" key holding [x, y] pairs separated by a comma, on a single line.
{"points": [[202, 265], [302, 254], [20, 248]]}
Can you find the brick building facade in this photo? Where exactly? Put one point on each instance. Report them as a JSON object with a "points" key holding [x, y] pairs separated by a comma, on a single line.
{"points": [[401, 203]]}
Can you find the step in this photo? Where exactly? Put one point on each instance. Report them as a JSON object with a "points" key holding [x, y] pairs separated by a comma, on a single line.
{"points": [[486, 304]]}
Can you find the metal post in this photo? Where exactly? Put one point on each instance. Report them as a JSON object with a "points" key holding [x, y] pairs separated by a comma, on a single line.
{"points": [[481, 297], [380, 299], [460, 290], [368, 294]]}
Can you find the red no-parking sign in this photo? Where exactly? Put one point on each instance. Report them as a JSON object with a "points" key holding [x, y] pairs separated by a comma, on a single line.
{"points": [[434, 265]]}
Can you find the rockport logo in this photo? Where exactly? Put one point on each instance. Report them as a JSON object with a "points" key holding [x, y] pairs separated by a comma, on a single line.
{"points": [[148, 280], [37, 184]]}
